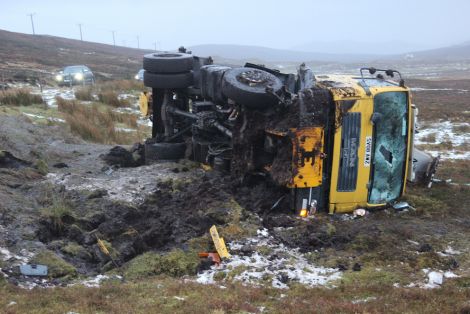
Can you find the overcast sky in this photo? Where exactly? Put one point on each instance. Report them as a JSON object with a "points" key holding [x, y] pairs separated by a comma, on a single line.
{"points": [[414, 24]]}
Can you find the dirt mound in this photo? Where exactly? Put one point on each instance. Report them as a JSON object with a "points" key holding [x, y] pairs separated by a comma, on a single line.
{"points": [[7, 160], [121, 157], [175, 213]]}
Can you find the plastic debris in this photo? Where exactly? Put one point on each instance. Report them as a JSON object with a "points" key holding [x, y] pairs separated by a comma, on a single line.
{"points": [[435, 278], [360, 212], [33, 270]]}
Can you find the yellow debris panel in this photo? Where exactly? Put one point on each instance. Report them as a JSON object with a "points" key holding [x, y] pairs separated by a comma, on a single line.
{"points": [[219, 243]]}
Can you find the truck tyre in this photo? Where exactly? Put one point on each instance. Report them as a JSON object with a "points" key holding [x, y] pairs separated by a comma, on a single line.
{"points": [[164, 151], [168, 62], [247, 86], [175, 80]]}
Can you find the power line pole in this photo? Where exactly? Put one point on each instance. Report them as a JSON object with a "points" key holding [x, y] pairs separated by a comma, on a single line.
{"points": [[80, 26], [114, 40], [138, 43], [155, 45], [32, 22]]}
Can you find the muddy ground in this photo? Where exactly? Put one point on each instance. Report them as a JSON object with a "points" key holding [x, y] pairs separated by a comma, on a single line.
{"points": [[59, 196]]}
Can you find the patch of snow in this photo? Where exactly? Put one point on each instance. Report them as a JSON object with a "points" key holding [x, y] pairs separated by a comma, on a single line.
{"points": [[444, 131], [144, 121], [435, 277], [127, 110], [419, 89], [449, 274], [126, 130], [56, 120], [122, 184], [49, 95], [33, 115], [412, 242], [262, 232], [179, 298], [283, 265], [6, 255], [125, 96], [96, 281], [449, 250], [368, 299], [34, 282]]}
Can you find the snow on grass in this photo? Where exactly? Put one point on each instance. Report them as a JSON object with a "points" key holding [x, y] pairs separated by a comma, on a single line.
{"points": [[50, 94], [126, 130], [433, 279], [277, 268], [122, 184], [419, 89], [37, 116], [23, 257], [441, 132], [96, 281]]}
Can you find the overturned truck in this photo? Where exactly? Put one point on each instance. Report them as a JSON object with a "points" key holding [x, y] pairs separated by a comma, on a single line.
{"points": [[337, 143]]}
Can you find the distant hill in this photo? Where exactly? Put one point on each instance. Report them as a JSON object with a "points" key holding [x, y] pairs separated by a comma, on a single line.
{"points": [[240, 52], [358, 47], [23, 55], [451, 53]]}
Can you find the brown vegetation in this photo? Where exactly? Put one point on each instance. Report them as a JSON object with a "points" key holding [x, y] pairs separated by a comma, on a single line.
{"points": [[111, 98], [84, 93], [449, 101], [19, 97], [92, 124], [166, 295], [122, 85]]}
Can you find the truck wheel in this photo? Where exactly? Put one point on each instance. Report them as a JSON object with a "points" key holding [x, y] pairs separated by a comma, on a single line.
{"points": [[247, 86], [175, 80], [164, 151], [168, 62]]}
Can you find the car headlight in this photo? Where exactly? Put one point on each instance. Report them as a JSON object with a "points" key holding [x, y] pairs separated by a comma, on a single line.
{"points": [[79, 76], [58, 77]]}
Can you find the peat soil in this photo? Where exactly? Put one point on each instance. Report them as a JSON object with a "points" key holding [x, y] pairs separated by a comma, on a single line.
{"points": [[59, 195]]}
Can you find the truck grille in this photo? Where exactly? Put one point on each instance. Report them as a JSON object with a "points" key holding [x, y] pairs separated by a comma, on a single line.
{"points": [[351, 130]]}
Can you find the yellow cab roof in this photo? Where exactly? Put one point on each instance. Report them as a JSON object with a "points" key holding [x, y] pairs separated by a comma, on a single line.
{"points": [[348, 86]]}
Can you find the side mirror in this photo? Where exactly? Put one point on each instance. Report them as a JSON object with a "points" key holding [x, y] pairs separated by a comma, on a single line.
{"points": [[401, 206]]}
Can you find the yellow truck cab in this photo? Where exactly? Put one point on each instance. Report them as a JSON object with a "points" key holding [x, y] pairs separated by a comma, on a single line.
{"points": [[371, 143]]}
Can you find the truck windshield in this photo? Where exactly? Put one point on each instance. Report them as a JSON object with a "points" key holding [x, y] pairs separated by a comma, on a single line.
{"points": [[389, 147]]}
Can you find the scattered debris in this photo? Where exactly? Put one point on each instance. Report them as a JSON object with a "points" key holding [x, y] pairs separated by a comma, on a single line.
{"points": [[219, 243], [360, 212], [33, 270], [277, 267]]}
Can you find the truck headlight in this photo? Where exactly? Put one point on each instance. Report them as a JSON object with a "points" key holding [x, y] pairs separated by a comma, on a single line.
{"points": [[136, 77], [58, 77], [79, 76]]}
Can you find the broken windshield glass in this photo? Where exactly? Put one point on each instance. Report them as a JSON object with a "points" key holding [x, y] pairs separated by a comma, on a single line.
{"points": [[389, 147]]}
